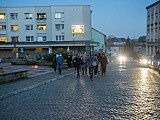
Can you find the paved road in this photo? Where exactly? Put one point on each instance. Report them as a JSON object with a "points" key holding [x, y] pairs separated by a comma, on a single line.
{"points": [[128, 91]]}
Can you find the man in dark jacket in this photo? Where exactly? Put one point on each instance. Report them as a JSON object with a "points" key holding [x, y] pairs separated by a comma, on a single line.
{"points": [[59, 61], [78, 63]]}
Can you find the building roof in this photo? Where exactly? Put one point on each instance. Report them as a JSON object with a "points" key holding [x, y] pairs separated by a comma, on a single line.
{"points": [[118, 40], [44, 6], [98, 31], [153, 4]]}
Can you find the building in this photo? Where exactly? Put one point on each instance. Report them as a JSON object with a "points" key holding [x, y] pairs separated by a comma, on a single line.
{"points": [[47, 27], [153, 29], [99, 37], [115, 45]]}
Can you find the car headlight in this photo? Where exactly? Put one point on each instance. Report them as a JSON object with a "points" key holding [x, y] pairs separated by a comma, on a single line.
{"points": [[122, 58], [145, 61]]}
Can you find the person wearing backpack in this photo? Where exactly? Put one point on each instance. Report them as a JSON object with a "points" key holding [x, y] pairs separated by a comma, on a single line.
{"points": [[59, 61]]}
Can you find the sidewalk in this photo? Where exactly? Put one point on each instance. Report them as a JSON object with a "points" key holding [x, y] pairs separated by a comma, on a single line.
{"points": [[15, 87]]}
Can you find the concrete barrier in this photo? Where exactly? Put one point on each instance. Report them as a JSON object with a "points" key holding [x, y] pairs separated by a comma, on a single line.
{"points": [[13, 75]]}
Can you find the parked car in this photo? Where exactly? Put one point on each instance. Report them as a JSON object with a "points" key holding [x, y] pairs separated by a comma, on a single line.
{"points": [[154, 62], [144, 60], [0, 60]]}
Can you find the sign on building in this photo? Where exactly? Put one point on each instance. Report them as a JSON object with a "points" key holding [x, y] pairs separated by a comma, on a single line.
{"points": [[77, 29]]}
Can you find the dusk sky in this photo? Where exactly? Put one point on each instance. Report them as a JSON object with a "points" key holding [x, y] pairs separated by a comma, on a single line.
{"points": [[120, 18]]}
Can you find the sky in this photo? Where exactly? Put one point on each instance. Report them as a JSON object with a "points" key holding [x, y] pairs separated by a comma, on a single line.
{"points": [[120, 18]]}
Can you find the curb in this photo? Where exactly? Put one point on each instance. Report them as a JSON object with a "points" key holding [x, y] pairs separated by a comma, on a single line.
{"points": [[2, 97]]}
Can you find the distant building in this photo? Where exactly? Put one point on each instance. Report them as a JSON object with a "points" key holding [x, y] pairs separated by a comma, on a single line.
{"points": [[47, 27], [116, 45], [153, 29]]}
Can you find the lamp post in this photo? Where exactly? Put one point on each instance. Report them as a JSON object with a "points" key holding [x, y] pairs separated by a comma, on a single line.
{"points": [[73, 43]]}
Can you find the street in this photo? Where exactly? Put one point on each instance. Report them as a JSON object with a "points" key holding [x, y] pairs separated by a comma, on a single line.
{"points": [[128, 91]]}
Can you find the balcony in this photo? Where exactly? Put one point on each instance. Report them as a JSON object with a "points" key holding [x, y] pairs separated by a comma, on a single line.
{"points": [[41, 19]]}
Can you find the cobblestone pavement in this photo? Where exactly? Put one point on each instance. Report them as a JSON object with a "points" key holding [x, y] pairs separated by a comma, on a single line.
{"points": [[127, 92], [33, 70]]}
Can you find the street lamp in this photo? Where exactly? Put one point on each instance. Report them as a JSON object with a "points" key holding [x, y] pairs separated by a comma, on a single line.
{"points": [[73, 43]]}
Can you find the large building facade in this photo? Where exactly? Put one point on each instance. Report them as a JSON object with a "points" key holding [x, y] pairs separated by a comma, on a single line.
{"points": [[47, 27], [153, 29]]}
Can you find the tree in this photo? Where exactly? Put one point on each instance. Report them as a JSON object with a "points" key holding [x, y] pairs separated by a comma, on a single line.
{"points": [[15, 50], [129, 48], [142, 39], [38, 50]]}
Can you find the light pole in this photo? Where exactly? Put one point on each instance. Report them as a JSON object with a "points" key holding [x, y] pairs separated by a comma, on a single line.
{"points": [[73, 43]]}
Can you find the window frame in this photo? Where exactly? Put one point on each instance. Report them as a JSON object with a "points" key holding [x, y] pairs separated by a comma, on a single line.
{"points": [[41, 27], [2, 16], [15, 16], [59, 15], [59, 27], [60, 37], [43, 38], [14, 26], [2, 27], [31, 38], [28, 16], [30, 27]]}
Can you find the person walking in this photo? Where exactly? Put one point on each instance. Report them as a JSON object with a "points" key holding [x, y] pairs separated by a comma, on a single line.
{"points": [[60, 61], [99, 64], [69, 61], [54, 62], [73, 61], [38, 56], [96, 66], [78, 63], [27, 56], [92, 61], [84, 62], [104, 63]]}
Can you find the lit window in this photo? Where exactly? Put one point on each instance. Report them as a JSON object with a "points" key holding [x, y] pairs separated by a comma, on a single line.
{"points": [[41, 27], [59, 37], [41, 38], [59, 15], [3, 39], [15, 39], [2, 27], [14, 27], [28, 15], [59, 26], [29, 38], [2, 16], [14, 15], [29, 27]]}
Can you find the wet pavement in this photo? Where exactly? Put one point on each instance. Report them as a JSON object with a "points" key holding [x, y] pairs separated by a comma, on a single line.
{"points": [[127, 92]]}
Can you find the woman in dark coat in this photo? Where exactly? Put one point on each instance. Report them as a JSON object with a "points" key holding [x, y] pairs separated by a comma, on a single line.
{"points": [[104, 62], [69, 61], [54, 63]]}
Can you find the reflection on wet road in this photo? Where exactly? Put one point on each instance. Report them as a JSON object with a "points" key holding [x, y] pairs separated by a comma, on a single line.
{"points": [[127, 92]]}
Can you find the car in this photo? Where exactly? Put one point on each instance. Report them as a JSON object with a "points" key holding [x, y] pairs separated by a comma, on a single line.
{"points": [[121, 58], [144, 60], [0, 60], [154, 62]]}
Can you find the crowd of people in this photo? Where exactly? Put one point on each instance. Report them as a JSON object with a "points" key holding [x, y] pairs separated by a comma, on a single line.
{"points": [[93, 63]]}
